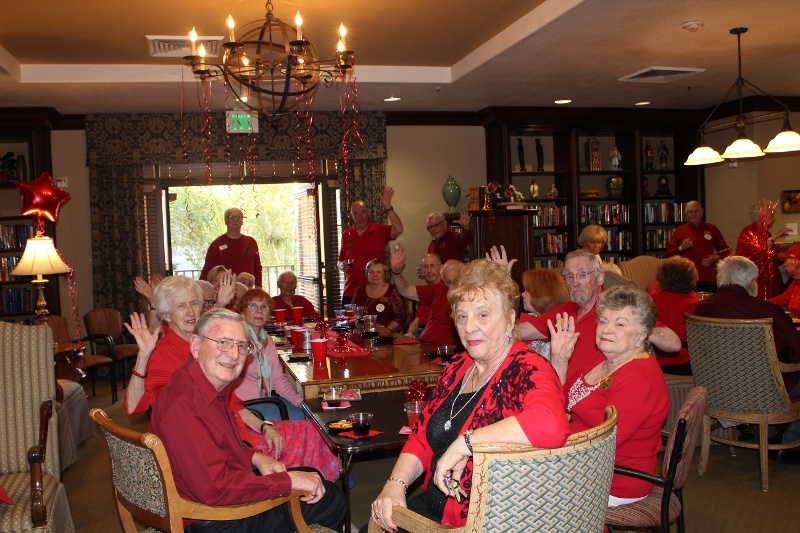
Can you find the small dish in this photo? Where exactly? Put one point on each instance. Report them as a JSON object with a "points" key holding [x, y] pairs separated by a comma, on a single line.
{"points": [[337, 426], [299, 356]]}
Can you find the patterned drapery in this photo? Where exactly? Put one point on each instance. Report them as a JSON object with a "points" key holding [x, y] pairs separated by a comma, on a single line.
{"points": [[119, 146]]}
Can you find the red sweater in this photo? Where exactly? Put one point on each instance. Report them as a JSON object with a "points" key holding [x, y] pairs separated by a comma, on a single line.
{"points": [[525, 386], [639, 392], [671, 307]]}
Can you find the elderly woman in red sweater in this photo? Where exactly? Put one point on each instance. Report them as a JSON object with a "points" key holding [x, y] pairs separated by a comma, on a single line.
{"points": [[623, 374], [499, 390]]}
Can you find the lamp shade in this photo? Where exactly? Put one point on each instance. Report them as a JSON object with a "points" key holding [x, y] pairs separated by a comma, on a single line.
{"points": [[703, 155], [785, 141], [742, 148], [40, 258]]}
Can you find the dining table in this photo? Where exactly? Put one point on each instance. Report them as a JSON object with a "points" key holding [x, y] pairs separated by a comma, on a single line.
{"points": [[388, 418], [383, 367]]}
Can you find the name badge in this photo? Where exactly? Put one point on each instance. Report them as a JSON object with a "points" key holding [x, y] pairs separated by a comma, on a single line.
{"points": [[223, 247], [380, 307], [708, 236]]}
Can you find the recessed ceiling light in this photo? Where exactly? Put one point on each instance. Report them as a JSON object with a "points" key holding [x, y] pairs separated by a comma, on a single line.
{"points": [[391, 99], [642, 103], [560, 102]]}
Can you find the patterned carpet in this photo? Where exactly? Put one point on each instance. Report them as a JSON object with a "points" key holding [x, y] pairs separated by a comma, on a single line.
{"points": [[726, 498]]}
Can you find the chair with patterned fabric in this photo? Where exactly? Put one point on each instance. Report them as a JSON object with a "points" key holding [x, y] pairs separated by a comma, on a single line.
{"points": [[736, 361], [518, 489], [144, 489], [642, 270], [29, 453], [665, 504], [105, 321]]}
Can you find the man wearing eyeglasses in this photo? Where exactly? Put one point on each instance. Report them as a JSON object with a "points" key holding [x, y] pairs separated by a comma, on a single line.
{"points": [[700, 242], [209, 463], [234, 250], [445, 242], [791, 296], [585, 281]]}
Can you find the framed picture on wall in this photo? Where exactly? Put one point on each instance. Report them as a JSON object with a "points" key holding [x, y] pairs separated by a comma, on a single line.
{"points": [[790, 201]]}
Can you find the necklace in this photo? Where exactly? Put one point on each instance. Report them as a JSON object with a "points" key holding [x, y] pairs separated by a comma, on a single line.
{"points": [[449, 423]]}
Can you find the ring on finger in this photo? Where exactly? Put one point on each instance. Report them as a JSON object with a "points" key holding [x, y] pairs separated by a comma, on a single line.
{"points": [[377, 516]]}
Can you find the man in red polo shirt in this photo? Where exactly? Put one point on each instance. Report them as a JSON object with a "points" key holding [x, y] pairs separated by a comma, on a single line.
{"points": [[697, 240], [440, 329], [585, 281], [791, 296], [445, 242], [234, 250], [365, 241]]}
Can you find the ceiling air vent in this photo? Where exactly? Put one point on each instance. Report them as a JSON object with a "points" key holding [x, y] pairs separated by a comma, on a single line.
{"points": [[180, 46], [661, 74]]}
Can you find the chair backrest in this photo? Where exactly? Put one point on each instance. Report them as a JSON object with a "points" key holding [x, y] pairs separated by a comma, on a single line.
{"points": [[104, 320], [692, 414], [141, 487], [27, 378], [642, 269], [735, 360], [60, 326], [524, 489]]}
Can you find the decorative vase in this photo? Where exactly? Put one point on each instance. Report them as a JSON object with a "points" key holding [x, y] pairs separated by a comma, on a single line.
{"points": [[451, 192], [614, 186]]}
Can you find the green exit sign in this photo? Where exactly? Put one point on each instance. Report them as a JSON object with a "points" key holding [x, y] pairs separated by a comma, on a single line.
{"points": [[241, 122]]}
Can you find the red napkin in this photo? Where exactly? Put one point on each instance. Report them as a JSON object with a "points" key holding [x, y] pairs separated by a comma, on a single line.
{"points": [[407, 341], [435, 361], [343, 405], [352, 434], [4, 496]]}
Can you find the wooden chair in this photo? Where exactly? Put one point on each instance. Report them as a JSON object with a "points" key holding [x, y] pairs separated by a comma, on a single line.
{"points": [[29, 462], [736, 361], [642, 270], [144, 489], [665, 504], [105, 321], [524, 489], [86, 361]]}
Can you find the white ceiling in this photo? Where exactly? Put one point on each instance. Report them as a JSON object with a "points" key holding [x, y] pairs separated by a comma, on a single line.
{"points": [[90, 56]]}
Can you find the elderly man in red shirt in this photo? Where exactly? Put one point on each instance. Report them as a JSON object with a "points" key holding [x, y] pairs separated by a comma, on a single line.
{"points": [[209, 462], [365, 241], [791, 296], [697, 240], [440, 329], [445, 242], [234, 250]]}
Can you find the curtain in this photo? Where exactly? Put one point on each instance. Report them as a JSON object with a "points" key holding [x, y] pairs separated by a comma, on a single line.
{"points": [[119, 146]]}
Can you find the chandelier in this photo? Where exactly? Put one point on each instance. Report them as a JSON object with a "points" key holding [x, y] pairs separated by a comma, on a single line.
{"points": [[786, 141], [271, 67]]}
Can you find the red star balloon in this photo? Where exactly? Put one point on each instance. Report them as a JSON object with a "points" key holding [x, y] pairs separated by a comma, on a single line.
{"points": [[41, 197]]}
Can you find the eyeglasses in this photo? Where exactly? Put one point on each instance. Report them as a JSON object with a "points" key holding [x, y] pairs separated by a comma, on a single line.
{"points": [[578, 276], [256, 307], [225, 345], [210, 302], [234, 217], [435, 224]]}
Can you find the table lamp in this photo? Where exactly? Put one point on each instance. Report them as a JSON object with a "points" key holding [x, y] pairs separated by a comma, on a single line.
{"points": [[40, 258]]}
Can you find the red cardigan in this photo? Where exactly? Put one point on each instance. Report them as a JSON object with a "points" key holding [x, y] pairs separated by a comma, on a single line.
{"points": [[525, 386], [639, 392]]}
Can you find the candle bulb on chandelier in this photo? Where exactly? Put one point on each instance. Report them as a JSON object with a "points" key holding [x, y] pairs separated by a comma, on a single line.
{"points": [[202, 53], [193, 39], [299, 21], [342, 33], [230, 26]]}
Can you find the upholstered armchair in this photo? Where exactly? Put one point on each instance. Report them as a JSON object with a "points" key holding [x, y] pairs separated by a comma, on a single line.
{"points": [[29, 456], [520, 489], [642, 270]]}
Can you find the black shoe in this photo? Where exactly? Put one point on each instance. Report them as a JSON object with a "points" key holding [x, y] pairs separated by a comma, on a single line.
{"points": [[787, 457]]}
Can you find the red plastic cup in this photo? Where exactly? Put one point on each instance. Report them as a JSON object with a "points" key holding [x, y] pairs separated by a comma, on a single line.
{"points": [[350, 313], [297, 315], [413, 409], [319, 348], [280, 316], [297, 338]]}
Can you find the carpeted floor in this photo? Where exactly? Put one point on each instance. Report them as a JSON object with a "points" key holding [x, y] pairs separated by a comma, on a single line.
{"points": [[727, 498]]}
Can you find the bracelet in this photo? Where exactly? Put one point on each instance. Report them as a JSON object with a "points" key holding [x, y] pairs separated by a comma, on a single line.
{"points": [[467, 433], [266, 423], [405, 487], [138, 375], [390, 208]]}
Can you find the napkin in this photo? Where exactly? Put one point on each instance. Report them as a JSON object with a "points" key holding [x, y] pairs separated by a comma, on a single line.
{"points": [[343, 405], [407, 341], [405, 430], [352, 434]]}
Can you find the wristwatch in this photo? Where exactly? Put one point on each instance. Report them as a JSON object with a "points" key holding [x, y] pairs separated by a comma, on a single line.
{"points": [[266, 423], [390, 208]]}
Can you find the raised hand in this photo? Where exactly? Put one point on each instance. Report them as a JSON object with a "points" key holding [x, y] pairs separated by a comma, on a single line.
{"points": [[397, 258], [500, 257], [562, 337], [386, 197], [145, 289], [464, 218], [145, 339], [227, 288]]}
